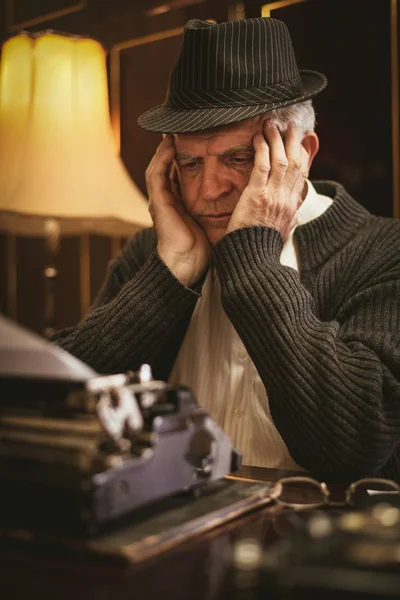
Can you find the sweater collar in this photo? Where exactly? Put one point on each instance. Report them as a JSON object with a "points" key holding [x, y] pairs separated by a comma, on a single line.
{"points": [[322, 237]]}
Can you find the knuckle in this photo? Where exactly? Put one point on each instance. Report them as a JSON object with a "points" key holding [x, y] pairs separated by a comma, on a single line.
{"points": [[263, 170], [295, 164], [282, 164]]}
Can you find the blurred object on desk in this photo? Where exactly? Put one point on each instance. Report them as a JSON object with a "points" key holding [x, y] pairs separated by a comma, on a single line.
{"points": [[27, 356], [330, 553]]}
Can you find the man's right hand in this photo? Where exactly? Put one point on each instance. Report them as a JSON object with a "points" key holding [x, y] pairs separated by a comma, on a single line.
{"points": [[182, 244]]}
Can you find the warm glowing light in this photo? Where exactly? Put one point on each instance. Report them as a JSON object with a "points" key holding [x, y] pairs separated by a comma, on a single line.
{"points": [[57, 153]]}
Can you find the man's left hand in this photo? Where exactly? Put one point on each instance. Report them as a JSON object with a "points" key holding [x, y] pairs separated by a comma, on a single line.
{"points": [[274, 192]]}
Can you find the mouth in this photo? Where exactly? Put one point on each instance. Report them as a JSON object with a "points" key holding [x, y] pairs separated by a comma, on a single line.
{"points": [[218, 219]]}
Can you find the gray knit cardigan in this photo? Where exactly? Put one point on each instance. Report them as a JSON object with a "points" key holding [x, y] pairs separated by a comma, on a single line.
{"points": [[326, 343]]}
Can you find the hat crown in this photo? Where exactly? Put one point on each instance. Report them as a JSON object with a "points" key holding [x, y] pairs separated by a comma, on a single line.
{"points": [[229, 72], [236, 55]]}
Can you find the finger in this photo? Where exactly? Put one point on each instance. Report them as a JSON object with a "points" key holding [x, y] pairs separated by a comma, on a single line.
{"points": [[173, 175], [161, 203], [166, 142], [157, 178], [261, 167], [165, 206], [174, 178], [176, 190], [163, 157], [279, 160], [293, 149]]}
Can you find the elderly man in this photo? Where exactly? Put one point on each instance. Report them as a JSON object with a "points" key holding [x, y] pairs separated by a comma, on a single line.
{"points": [[276, 300]]}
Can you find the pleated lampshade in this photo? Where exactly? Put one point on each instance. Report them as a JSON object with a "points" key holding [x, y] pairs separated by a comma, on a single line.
{"points": [[58, 157]]}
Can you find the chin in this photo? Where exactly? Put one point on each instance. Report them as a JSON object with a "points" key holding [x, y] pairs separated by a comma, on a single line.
{"points": [[215, 235]]}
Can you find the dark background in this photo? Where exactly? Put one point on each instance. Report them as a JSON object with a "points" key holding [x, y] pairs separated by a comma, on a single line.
{"points": [[347, 40]]}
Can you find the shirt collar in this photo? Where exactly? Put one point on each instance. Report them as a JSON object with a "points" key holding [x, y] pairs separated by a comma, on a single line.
{"points": [[313, 205]]}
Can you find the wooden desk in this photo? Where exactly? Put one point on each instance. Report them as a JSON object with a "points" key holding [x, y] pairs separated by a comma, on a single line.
{"points": [[196, 570]]}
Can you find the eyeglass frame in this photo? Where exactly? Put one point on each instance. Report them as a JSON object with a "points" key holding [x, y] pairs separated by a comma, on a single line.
{"points": [[277, 491]]}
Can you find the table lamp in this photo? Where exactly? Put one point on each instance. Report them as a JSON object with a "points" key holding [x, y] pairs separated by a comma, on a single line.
{"points": [[60, 172]]}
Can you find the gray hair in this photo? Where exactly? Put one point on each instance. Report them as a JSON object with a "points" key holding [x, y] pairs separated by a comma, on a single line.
{"points": [[301, 114]]}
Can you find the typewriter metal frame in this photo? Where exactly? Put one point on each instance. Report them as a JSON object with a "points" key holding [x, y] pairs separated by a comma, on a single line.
{"points": [[84, 456]]}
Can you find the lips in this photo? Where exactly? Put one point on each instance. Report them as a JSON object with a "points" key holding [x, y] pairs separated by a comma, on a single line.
{"points": [[217, 216], [218, 220]]}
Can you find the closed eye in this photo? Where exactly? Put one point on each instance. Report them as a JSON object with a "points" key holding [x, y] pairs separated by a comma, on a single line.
{"points": [[241, 159], [188, 164]]}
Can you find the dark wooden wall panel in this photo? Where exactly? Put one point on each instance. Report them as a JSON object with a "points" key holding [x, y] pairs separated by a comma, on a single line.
{"points": [[21, 11], [3, 273], [100, 247], [67, 285], [31, 262], [350, 43]]}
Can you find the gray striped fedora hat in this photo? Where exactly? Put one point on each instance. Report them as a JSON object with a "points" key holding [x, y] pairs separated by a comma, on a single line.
{"points": [[228, 72]]}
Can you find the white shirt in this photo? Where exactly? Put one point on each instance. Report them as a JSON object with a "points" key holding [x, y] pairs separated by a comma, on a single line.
{"points": [[214, 363]]}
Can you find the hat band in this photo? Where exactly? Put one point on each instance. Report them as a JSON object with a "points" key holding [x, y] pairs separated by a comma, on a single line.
{"points": [[278, 92]]}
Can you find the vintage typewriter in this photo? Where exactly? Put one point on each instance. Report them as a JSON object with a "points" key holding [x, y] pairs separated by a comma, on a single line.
{"points": [[80, 451]]}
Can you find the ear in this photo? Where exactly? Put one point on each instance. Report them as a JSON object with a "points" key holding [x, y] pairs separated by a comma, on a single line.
{"points": [[310, 143]]}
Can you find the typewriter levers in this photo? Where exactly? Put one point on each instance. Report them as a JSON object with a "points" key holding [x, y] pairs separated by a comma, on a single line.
{"points": [[88, 452]]}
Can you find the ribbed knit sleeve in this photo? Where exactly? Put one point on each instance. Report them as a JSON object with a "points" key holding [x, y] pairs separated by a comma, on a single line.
{"points": [[137, 311], [331, 374]]}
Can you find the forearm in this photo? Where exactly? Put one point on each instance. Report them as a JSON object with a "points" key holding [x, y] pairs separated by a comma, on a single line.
{"points": [[131, 328], [325, 391]]}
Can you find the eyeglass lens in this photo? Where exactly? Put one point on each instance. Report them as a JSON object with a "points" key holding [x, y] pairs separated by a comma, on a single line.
{"points": [[309, 492], [360, 490]]}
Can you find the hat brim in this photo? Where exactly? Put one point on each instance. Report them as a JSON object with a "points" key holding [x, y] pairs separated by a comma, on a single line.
{"points": [[169, 119]]}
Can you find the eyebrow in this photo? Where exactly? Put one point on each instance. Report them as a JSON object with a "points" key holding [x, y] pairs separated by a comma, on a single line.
{"points": [[180, 156], [248, 148]]}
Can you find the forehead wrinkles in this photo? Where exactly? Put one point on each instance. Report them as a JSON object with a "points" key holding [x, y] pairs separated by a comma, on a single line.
{"points": [[215, 144], [230, 135]]}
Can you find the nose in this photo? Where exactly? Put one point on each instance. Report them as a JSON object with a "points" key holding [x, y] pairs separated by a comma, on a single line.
{"points": [[215, 180]]}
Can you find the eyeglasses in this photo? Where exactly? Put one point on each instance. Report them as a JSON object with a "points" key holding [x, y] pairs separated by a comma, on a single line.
{"points": [[313, 493]]}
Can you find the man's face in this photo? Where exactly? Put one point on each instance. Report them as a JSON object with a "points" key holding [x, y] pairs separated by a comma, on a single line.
{"points": [[214, 167]]}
